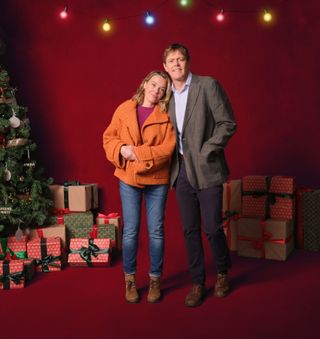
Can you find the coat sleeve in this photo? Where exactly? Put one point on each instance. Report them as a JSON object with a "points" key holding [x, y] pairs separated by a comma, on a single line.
{"points": [[151, 158], [112, 142], [225, 124]]}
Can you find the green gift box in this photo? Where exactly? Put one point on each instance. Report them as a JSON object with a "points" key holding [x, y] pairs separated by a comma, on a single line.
{"points": [[108, 231]]}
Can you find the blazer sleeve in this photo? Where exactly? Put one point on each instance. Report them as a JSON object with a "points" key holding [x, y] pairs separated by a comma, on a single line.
{"points": [[112, 142], [151, 158], [225, 124]]}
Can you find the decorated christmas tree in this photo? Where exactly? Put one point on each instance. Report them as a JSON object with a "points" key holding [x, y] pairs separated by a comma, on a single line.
{"points": [[24, 194]]}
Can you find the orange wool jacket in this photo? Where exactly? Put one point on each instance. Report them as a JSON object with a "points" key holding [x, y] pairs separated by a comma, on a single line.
{"points": [[154, 145]]}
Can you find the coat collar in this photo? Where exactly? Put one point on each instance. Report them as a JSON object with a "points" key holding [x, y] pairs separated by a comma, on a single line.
{"points": [[130, 119]]}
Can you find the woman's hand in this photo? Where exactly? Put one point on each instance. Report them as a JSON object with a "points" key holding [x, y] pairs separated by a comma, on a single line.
{"points": [[127, 152]]}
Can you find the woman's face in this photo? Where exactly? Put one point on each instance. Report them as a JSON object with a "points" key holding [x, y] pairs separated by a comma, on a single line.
{"points": [[154, 90]]}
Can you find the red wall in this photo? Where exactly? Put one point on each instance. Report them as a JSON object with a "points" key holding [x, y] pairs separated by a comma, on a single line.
{"points": [[72, 77]]}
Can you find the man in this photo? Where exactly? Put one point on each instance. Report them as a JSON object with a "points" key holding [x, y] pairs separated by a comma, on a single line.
{"points": [[202, 116]]}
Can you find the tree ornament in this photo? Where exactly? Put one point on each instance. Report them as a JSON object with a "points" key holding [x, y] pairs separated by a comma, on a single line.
{"points": [[21, 178], [7, 175], [14, 120]]}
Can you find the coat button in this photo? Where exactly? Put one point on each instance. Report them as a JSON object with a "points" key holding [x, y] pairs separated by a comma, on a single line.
{"points": [[148, 164]]}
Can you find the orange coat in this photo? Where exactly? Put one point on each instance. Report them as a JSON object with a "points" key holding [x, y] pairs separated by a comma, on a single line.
{"points": [[154, 145]]}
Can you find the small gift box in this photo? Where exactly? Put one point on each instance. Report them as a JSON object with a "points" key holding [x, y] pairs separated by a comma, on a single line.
{"points": [[75, 197], [11, 274], [46, 252], [89, 252], [108, 231], [52, 231], [260, 238], [268, 197]]}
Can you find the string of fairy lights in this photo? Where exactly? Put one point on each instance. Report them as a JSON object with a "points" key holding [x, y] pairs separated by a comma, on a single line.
{"points": [[150, 18]]}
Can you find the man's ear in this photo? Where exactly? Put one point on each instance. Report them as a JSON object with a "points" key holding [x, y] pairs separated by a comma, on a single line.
{"points": [[165, 67]]}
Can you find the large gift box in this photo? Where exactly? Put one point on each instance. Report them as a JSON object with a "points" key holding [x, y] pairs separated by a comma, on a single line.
{"points": [[11, 274], [114, 219], [13, 248], [268, 197], [46, 252], [231, 209], [89, 252], [261, 238], [308, 217], [76, 198]]}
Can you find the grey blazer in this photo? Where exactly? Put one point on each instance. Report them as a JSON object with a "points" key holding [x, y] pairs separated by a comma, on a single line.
{"points": [[208, 125]]}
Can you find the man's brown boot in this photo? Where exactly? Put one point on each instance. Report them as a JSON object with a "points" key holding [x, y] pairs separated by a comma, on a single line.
{"points": [[132, 295], [221, 287], [196, 295], [154, 294]]}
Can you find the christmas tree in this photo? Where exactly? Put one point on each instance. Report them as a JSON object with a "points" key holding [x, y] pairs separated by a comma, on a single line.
{"points": [[25, 199]]}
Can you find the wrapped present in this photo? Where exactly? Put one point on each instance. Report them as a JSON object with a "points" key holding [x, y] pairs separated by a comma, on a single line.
{"points": [[308, 219], [108, 231], [231, 208], [261, 238], [12, 248], [52, 232], [75, 197], [268, 197], [89, 252], [46, 252], [11, 274], [114, 219]]}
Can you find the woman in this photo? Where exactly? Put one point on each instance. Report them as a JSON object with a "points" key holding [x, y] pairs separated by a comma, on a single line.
{"points": [[139, 142]]}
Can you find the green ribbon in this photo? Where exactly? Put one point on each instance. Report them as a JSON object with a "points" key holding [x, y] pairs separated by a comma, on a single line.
{"points": [[6, 251], [87, 252], [15, 277], [228, 215], [47, 261]]}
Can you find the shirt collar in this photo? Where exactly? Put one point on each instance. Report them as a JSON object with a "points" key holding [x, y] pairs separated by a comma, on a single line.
{"points": [[187, 84]]}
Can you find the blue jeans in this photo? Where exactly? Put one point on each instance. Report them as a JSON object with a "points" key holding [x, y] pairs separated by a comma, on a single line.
{"points": [[131, 198]]}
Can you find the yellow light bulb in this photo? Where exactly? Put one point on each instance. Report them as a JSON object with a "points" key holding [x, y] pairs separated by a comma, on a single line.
{"points": [[106, 26], [267, 17]]}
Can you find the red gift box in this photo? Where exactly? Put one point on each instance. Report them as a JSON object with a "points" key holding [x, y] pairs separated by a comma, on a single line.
{"points": [[46, 252], [12, 248], [268, 197], [89, 252], [11, 274]]}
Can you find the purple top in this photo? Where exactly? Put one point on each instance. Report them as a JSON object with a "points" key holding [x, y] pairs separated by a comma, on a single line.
{"points": [[143, 113]]}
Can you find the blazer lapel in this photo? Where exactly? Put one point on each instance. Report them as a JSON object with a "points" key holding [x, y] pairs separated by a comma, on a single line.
{"points": [[172, 111], [192, 98]]}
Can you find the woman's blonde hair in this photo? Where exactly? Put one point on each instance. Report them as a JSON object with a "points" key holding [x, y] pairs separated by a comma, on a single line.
{"points": [[164, 101]]}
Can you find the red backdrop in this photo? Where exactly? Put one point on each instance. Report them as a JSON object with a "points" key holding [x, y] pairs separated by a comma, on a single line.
{"points": [[71, 76]]}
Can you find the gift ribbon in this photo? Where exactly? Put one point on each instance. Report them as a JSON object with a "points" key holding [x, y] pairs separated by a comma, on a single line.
{"points": [[108, 216], [300, 228], [7, 277], [8, 253], [228, 214], [66, 185], [46, 260], [259, 243], [271, 197], [87, 252]]}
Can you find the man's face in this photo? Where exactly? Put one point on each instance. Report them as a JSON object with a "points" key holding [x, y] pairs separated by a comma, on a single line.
{"points": [[177, 66]]}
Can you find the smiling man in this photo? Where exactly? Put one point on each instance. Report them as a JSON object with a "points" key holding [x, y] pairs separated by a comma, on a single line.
{"points": [[203, 119]]}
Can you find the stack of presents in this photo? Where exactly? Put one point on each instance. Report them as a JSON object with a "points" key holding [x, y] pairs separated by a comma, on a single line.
{"points": [[76, 235], [267, 217]]}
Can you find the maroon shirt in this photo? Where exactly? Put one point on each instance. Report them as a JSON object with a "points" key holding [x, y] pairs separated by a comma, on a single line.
{"points": [[143, 113]]}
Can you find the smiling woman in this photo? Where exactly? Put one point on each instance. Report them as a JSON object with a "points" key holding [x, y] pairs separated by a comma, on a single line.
{"points": [[139, 142]]}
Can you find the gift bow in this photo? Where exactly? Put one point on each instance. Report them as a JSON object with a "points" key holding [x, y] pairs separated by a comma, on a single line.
{"points": [[47, 261], [7, 253], [14, 277], [87, 252]]}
